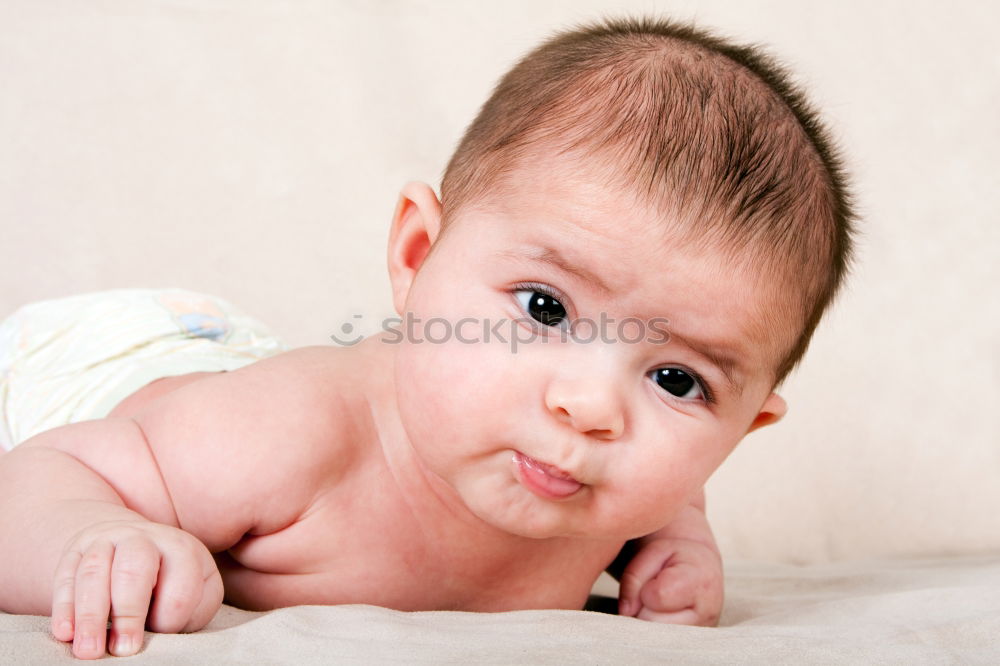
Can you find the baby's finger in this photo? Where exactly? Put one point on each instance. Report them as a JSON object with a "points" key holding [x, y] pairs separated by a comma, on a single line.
{"points": [[63, 586], [92, 600], [687, 616], [212, 593], [133, 575], [646, 564], [672, 589], [682, 587], [178, 592]]}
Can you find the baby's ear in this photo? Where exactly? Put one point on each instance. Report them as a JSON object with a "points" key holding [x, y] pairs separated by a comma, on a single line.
{"points": [[415, 226], [770, 412]]}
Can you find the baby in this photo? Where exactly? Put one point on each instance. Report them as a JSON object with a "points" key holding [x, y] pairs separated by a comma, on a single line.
{"points": [[634, 242]]}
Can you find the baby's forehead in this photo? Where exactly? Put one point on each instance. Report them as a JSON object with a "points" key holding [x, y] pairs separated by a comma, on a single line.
{"points": [[580, 205]]}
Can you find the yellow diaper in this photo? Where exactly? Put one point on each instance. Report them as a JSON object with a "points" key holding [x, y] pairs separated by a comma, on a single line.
{"points": [[73, 359]]}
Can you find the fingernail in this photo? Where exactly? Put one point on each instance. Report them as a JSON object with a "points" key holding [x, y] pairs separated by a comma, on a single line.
{"points": [[123, 645], [66, 627]]}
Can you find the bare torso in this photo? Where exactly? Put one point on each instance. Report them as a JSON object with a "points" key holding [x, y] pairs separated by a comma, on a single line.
{"points": [[365, 539]]}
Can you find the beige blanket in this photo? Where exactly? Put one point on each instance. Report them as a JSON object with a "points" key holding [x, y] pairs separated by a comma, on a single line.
{"points": [[929, 611]]}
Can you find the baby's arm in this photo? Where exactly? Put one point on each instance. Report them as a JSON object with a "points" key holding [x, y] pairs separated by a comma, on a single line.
{"points": [[72, 548], [675, 575], [237, 453]]}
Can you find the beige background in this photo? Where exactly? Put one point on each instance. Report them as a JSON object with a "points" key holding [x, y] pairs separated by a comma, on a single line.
{"points": [[254, 150]]}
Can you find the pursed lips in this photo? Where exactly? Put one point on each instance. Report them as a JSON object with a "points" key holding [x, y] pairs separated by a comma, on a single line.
{"points": [[545, 479]]}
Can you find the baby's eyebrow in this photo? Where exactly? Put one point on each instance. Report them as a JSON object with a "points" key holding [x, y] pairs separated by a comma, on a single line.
{"points": [[727, 363], [552, 256]]}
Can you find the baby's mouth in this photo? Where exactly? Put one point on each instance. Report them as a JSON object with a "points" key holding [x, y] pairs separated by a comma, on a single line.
{"points": [[545, 480]]}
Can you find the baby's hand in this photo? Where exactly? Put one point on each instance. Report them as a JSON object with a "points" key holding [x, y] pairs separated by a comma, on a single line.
{"points": [[110, 570], [677, 581]]}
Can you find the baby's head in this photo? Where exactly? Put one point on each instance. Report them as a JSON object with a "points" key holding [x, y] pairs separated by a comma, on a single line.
{"points": [[634, 169]]}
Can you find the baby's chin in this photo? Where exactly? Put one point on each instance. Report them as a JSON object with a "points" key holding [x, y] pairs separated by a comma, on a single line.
{"points": [[504, 510], [521, 514], [540, 530]]}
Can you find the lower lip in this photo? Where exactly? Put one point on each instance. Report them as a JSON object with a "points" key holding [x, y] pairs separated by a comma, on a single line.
{"points": [[542, 479]]}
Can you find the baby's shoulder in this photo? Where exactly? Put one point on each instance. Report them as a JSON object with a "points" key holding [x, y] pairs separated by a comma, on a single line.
{"points": [[313, 376], [312, 394], [309, 360], [270, 437]]}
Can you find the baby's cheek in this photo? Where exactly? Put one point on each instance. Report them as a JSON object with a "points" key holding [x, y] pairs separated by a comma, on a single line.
{"points": [[438, 388], [651, 495]]}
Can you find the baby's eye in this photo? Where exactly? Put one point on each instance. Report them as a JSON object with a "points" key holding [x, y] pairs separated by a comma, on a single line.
{"points": [[678, 383], [543, 307]]}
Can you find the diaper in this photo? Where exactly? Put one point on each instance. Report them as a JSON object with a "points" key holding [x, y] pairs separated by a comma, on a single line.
{"points": [[73, 359]]}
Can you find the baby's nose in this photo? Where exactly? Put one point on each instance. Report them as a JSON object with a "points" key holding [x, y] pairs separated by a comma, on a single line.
{"points": [[587, 407]]}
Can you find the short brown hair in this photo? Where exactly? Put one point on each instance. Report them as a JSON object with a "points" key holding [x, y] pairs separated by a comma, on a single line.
{"points": [[712, 131]]}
